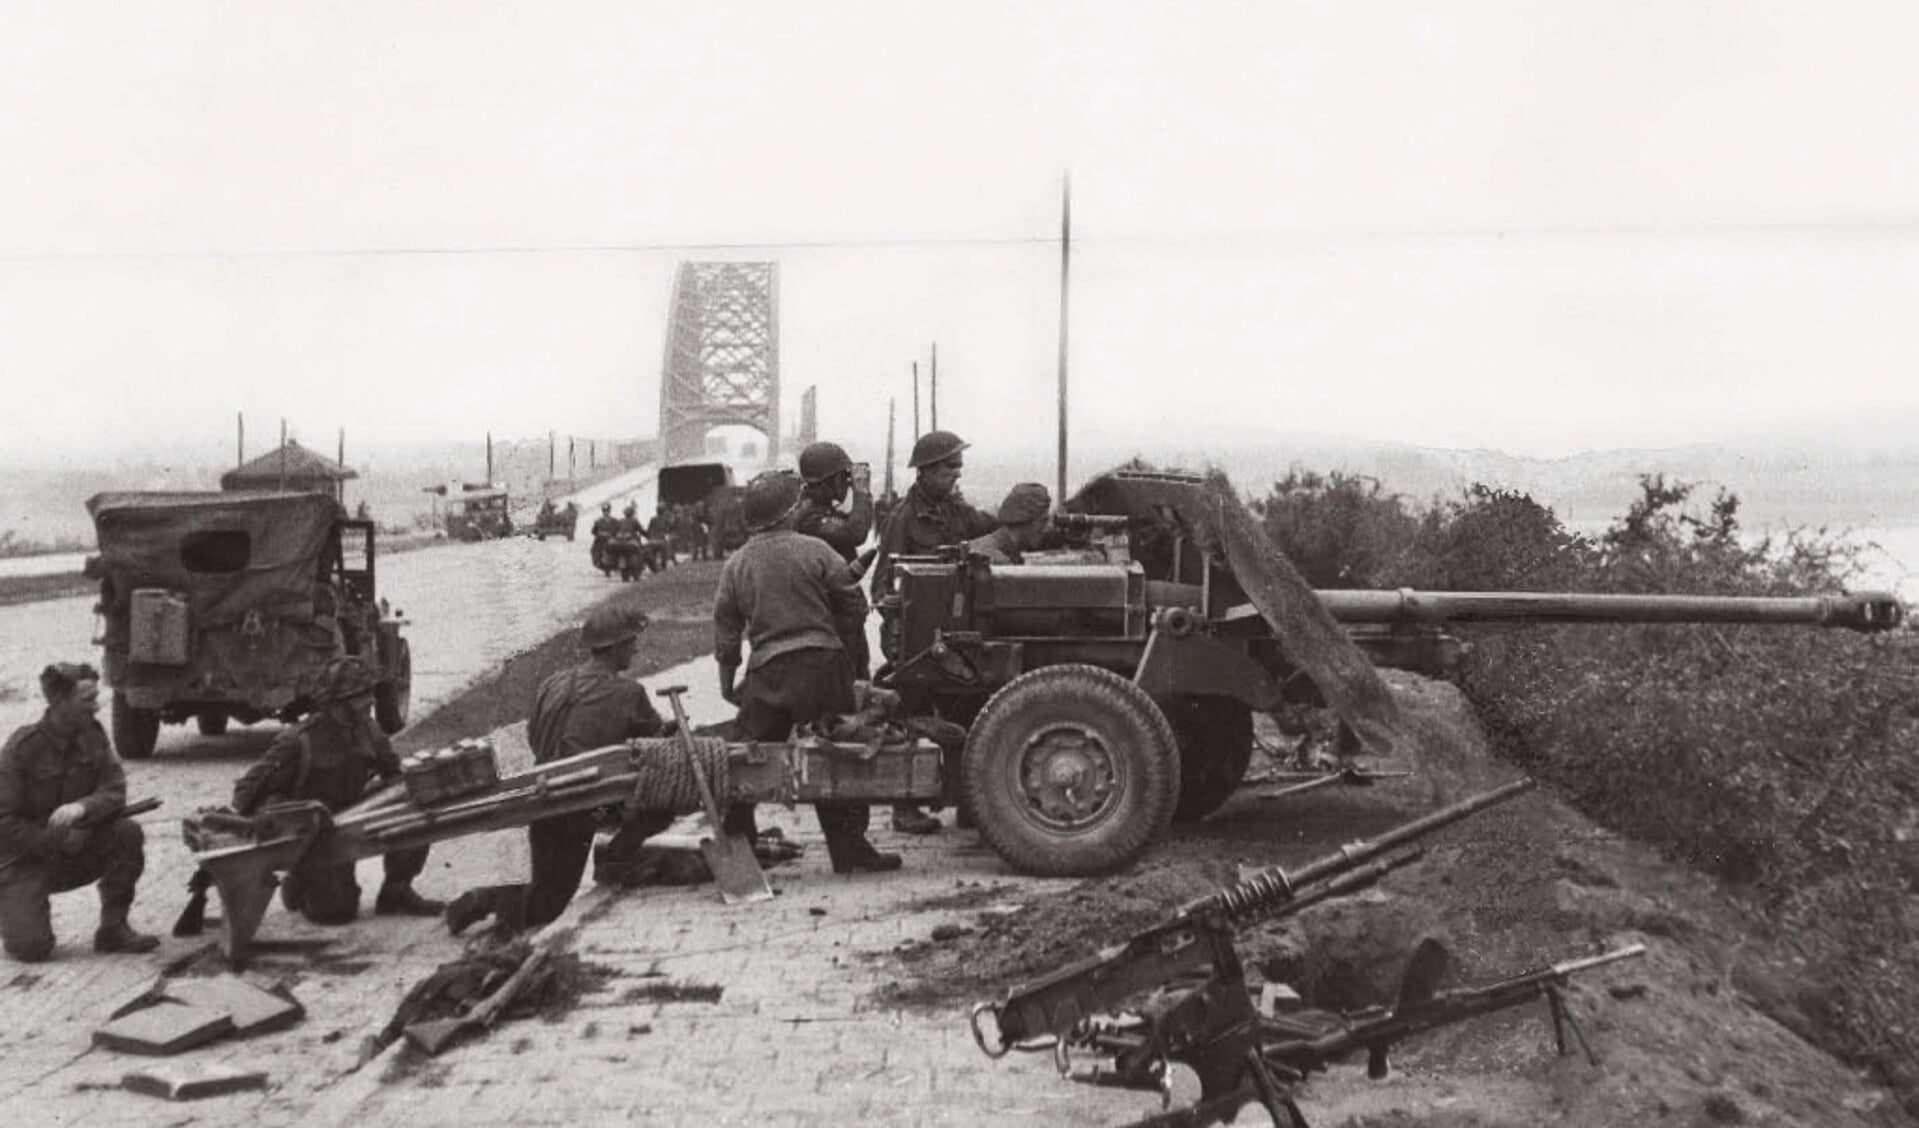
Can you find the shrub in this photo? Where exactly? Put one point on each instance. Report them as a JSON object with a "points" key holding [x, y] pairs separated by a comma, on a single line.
{"points": [[1777, 759]]}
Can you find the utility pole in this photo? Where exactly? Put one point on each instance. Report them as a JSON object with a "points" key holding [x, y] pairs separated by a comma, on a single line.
{"points": [[934, 388], [569, 460], [887, 493], [489, 459], [283, 452], [552, 453], [916, 401], [241, 455], [1065, 259]]}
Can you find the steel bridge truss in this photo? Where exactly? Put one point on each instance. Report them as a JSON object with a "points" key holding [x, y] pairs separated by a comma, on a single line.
{"points": [[722, 356]]}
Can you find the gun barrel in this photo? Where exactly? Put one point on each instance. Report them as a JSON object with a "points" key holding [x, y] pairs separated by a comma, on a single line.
{"points": [[1863, 612], [1271, 888]]}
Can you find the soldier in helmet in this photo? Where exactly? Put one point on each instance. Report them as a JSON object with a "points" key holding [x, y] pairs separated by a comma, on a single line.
{"points": [[332, 756], [1023, 521], [791, 600], [60, 786], [827, 474], [576, 710], [930, 514], [604, 527]]}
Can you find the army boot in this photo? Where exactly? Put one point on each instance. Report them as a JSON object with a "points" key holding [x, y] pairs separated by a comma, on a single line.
{"points": [[116, 935], [909, 819], [397, 899]]}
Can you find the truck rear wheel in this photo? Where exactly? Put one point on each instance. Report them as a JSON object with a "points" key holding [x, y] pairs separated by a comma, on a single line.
{"points": [[393, 697], [135, 731], [212, 722], [1215, 736], [1071, 771]]}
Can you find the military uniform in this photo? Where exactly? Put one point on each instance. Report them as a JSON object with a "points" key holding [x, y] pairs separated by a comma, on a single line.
{"points": [[41, 770], [843, 533], [331, 760], [919, 525], [791, 600]]}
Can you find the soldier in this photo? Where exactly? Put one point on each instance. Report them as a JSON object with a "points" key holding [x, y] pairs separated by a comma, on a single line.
{"points": [[60, 787], [791, 599], [828, 476], [932, 513], [333, 756], [576, 710], [1024, 518], [604, 526]]}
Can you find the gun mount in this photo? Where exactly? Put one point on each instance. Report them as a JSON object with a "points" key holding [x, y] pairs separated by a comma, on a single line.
{"points": [[1109, 688], [1240, 1054]]}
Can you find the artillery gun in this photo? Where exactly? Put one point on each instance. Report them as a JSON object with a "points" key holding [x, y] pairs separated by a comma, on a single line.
{"points": [[1109, 688]]}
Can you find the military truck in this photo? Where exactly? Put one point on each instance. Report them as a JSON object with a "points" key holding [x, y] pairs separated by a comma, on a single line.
{"points": [[219, 607], [1108, 687], [709, 487], [477, 513]]}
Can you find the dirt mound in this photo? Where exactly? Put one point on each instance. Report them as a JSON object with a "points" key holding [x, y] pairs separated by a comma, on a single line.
{"points": [[1697, 1032]]}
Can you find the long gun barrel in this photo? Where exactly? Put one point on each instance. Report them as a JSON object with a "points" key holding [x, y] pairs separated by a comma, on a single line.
{"points": [[1197, 936], [1862, 612]]}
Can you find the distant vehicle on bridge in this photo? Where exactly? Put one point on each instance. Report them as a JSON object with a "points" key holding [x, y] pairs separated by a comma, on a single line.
{"points": [[708, 487], [476, 511]]}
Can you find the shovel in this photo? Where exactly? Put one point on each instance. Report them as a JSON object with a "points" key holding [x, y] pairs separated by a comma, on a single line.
{"points": [[730, 856]]}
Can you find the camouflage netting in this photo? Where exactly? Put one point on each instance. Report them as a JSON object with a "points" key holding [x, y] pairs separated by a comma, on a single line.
{"points": [[1209, 513]]}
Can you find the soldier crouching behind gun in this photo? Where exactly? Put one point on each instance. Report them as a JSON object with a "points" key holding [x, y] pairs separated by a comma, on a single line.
{"points": [[331, 757], [60, 788], [576, 710]]}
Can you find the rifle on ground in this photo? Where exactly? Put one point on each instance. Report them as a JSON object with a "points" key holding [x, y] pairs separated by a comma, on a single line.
{"points": [[1216, 1029]]}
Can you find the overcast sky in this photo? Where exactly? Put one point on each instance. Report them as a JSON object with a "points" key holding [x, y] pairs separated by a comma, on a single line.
{"points": [[1540, 227]]}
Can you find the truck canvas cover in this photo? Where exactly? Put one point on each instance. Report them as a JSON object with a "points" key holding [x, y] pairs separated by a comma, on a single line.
{"points": [[227, 553]]}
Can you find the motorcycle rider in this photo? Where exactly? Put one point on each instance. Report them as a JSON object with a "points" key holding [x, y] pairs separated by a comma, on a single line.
{"points": [[604, 526]]}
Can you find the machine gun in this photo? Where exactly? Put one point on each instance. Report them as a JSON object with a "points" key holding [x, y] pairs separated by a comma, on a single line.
{"points": [[1275, 1053], [1239, 1054]]}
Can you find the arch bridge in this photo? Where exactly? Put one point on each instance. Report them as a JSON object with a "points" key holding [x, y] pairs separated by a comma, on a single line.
{"points": [[722, 356]]}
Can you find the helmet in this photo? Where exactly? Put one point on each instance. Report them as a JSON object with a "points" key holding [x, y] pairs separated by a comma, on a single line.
{"points": [[1024, 504], [607, 625], [935, 446], [606, 507], [768, 499], [342, 679], [821, 461]]}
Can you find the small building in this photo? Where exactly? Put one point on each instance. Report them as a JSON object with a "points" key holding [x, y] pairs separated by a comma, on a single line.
{"points": [[289, 467]]}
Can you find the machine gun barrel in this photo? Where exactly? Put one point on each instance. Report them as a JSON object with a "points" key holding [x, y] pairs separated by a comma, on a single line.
{"points": [[1198, 936], [1862, 612], [1380, 1029], [1274, 887]]}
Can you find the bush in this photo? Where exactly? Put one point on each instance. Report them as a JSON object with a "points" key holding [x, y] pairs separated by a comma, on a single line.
{"points": [[1777, 759]]}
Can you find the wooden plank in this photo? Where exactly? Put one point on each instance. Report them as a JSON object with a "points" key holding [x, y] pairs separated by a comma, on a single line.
{"points": [[184, 1082], [164, 1028], [252, 1009]]}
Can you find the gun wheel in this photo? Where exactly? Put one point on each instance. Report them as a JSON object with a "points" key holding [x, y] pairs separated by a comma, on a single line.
{"points": [[1215, 736], [1070, 771]]}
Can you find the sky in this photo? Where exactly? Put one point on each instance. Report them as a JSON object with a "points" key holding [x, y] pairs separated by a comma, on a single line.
{"points": [[1539, 227]]}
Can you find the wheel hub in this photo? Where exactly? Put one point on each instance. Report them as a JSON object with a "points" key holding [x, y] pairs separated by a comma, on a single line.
{"points": [[1068, 776]]}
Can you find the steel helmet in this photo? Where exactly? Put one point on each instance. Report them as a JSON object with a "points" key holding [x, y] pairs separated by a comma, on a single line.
{"points": [[821, 461], [936, 446], [768, 499], [342, 679], [607, 625]]}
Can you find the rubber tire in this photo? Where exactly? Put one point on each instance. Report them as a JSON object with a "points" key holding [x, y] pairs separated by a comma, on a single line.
{"points": [[1215, 736], [211, 723], [393, 698], [1126, 720], [135, 731]]}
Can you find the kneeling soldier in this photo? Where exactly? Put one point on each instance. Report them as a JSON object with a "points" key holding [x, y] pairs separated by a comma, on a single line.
{"points": [[331, 756], [60, 788]]}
